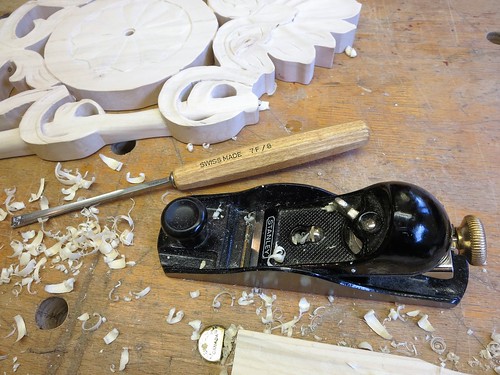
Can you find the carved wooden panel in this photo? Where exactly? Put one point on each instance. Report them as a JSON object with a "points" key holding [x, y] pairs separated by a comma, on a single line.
{"points": [[64, 65]]}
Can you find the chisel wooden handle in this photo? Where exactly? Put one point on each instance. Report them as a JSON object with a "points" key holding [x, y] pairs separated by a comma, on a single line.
{"points": [[271, 155], [247, 161]]}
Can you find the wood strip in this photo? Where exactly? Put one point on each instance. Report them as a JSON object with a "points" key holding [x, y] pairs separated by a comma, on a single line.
{"points": [[260, 353]]}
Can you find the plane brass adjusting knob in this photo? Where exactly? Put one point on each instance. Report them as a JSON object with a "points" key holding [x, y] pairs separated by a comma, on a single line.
{"points": [[470, 240]]}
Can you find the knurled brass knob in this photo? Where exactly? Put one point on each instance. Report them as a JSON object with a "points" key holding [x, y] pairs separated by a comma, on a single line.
{"points": [[471, 240]]}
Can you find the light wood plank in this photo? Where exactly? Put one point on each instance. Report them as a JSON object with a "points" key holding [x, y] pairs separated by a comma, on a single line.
{"points": [[260, 353]]}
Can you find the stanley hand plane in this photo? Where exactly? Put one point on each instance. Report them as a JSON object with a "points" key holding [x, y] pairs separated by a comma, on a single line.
{"points": [[391, 241]]}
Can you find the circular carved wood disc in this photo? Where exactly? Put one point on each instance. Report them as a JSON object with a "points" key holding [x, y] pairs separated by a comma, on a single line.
{"points": [[120, 52]]}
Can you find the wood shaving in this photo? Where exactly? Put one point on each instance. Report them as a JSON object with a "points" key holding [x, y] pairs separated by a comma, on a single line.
{"points": [[246, 299], [268, 304], [124, 358], [135, 180], [76, 181], [365, 346], [171, 319], [37, 196], [278, 255], [350, 51], [84, 317], [111, 163], [438, 345], [64, 287], [425, 324], [194, 294], [142, 293], [21, 327], [11, 206], [110, 294], [376, 326], [111, 336], [216, 304], [304, 306], [229, 338], [196, 325]]}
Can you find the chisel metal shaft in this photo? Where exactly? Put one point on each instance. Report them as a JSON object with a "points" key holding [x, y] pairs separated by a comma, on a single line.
{"points": [[251, 160]]}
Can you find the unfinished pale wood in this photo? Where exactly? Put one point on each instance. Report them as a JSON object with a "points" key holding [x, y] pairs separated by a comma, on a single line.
{"points": [[116, 54], [209, 104], [57, 128], [260, 353], [120, 52], [22, 38], [12, 145], [284, 39], [267, 156], [13, 109]]}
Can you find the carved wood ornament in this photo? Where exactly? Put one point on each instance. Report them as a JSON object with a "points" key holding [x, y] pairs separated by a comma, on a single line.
{"points": [[194, 70]]}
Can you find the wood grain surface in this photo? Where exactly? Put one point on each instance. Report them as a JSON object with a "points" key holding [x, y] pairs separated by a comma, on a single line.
{"points": [[425, 81]]}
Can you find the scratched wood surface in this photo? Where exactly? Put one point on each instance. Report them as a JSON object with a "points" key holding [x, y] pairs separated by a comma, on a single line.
{"points": [[425, 80]]}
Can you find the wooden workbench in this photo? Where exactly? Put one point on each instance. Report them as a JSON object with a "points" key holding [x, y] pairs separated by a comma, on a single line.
{"points": [[426, 82]]}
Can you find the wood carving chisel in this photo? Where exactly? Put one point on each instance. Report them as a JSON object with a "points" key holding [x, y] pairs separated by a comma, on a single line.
{"points": [[261, 157]]}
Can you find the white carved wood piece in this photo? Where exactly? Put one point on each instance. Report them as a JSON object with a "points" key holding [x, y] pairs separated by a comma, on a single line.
{"points": [[69, 67]]}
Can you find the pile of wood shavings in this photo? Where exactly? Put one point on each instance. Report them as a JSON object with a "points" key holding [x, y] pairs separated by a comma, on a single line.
{"points": [[65, 250]]}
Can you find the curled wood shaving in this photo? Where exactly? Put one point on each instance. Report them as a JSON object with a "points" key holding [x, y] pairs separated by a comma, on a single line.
{"points": [[84, 317], [111, 336], [413, 313], [246, 299], [115, 298], [27, 270], [100, 320], [135, 180], [28, 235], [111, 163], [171, 319], [116, 264], [75, 181], [228, 343], [425, 324], [65, 287], [124, 358], [12, 206], [194, 294], [350, 51], [376, 326], [278, 255], [304, 306], [438, 345], [38, 266], [196, 325], [21, 327], [37, 196], [365, 345], [44, 204], [268, 304], [216, 303], [142, 293], [395, 314]]}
